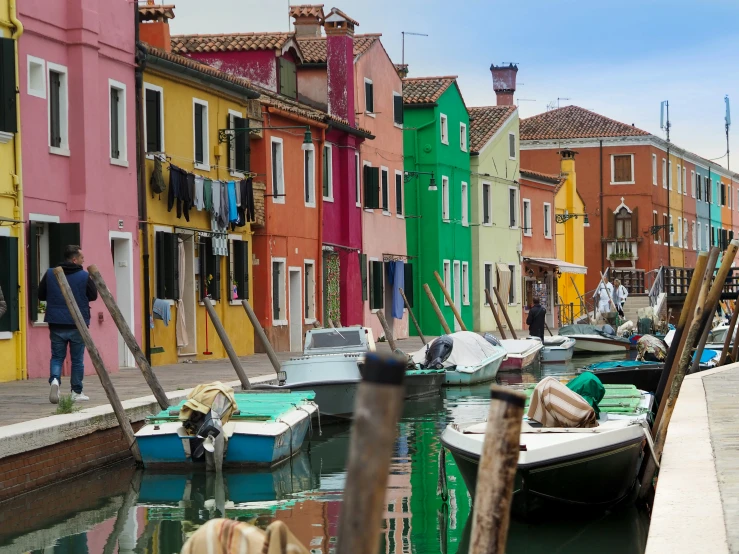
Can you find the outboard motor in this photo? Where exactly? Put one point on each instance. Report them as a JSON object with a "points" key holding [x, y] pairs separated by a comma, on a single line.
{"points": [[207, 428], [492, 339], [438, 352]]}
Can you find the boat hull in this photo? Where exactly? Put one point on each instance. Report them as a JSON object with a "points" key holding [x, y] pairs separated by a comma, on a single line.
{"points": [[585, 343], [644, 378], [421, 383], [486, 372], [558, 354], [335, 399], [519, 362]]}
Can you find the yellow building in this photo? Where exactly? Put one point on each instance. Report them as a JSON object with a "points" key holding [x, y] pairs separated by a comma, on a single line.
{"points": [[185, 255], [12, 250], [676, 189], [570, 234]]}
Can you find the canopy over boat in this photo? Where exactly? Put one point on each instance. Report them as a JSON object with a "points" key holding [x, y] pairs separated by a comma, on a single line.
{"points": [[555, 405], [468, 350]]}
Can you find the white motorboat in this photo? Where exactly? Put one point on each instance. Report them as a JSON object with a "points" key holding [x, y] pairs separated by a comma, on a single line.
{"points": [[521, 353], [591, 338], [467, 357], [557, 349]]}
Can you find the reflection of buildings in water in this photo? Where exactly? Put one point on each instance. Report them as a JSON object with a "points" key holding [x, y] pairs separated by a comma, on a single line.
{"points": [[397, 517]]}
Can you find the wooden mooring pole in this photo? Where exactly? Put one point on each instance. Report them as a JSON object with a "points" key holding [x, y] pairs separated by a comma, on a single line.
{"points": [[128, 337], [448, 297], [505, 312], [235, 362], [495, 314], [259, 331], [385, 327], [412, 316], [497, 471], [97, 362], [435, 306], [730, 333], [378, 407]]}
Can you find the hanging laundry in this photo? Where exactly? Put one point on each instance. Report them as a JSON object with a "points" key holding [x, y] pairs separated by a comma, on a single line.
{"points": [[219, 238], [174, 190], [216, 193], [232, 207], [208, 195], [161, 311], [238, 194], [396, 278], [199, 193], [190, 195], [248, 191], [157, 184], [223, 213]]}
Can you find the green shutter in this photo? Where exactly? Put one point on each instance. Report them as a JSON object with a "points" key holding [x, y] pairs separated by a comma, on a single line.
{"points": [[242, 146], [9, 283], [367, 179], [159, 263], [169, 260], [215, 265], [375, 186], [408, 283], [363, 273], [61, 235], [377, 296], [8, 99], [33, 269]]}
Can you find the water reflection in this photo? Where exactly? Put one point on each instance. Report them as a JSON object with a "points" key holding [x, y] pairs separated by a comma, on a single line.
{"points": [[121, 510]]}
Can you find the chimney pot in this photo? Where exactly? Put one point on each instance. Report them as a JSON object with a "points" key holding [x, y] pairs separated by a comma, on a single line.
{"points": [[307, 20], [504, 82]]}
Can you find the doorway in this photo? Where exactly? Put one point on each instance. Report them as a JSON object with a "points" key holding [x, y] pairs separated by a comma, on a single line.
{"points": [[189, 293], [457, 293], [296, 312], [121, 248]]}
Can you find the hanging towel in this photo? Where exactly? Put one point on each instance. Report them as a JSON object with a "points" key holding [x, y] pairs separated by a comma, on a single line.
{"points": [[174, 190], [396, 278], [157, 179], [238, 193], [232, 207], [208, 195], [248, 191], [181, 329], [223, 212], [216, 192], [161, 311], [199, 193]]}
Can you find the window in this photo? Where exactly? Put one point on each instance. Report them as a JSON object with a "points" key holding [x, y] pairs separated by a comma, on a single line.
{"points": [[58, 110], [117, 123], [369, 96], [408, 283], [166, 255], [210, 269], [465, 205], [278, 171], [398, 192], [36, 77], [685, 181], [309, 294], [377, 289], [445, 198], [487, 206], [238, 263], [309, 177], [512, 288], [707, 244], [728, 196], [371, 187], [622, 169], [666, 228], [679, 232], [679, 179], [154, 118], [201, 157], [279, 313], [8, 95], [463, 137], [685, 234], [623, 224], [655, 222], [692, 184], [488, 280], [547, 220], [654, 169], [672, 233], [664, 173], [512, 146], [527, 217], [696, 237], [358, 184], [444, 130], [385, 191], [466, 283], [328, 172], [669, 175], [707, 189], [699, 187], [512, 208], [239, 155], [288, 78], [447, 278], [398, 109], [10, 322]]}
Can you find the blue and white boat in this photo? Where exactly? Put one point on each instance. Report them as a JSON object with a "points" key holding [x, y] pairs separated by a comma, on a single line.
{"points": [[264, 429]]}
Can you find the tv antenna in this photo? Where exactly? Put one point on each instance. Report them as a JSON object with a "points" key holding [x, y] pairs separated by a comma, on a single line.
{"points": [[402, 59], [664, 118], [727, 120], [519, 100]]}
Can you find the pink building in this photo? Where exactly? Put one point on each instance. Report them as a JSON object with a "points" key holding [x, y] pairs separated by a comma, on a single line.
{"points": [[76, 62]]}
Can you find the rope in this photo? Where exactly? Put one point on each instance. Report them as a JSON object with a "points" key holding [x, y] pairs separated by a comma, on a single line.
{"points": [[291, 435]]}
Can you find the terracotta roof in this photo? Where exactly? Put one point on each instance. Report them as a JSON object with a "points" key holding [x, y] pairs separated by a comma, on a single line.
{"points": [[230, 42], [314, 49], [152, 12], [546, 177], [343, 15], [573, 122], [307, 10], [485, 122], [425, 90]]}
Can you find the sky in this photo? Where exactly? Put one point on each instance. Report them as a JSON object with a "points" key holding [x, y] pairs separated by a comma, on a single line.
{"points": [[620, 59]]}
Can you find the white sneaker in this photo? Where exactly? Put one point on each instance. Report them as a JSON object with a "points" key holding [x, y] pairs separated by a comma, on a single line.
{"points": [[54, 392], [79, 397]]}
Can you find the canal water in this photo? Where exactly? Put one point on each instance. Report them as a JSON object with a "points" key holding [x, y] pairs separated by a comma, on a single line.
{"points": [[122, 510]]}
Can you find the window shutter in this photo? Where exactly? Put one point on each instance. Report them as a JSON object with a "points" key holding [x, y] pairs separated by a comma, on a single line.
{"points": [[369, 101], [199, 157], [242, 145], [9, 283], [275, 290], [375, 171], [114, 146], [635, 223], [55, 85], [241, 271], [398, 109], [215, 266], [363, 273], [377, 282], [8, 100], [33, 269], [153, 121], [408, 283], [611, 224], [61, 235], [368, 203], [171, 267], [326, 175], [399, 193], [160, 264], [385, 193], [622, 169]]}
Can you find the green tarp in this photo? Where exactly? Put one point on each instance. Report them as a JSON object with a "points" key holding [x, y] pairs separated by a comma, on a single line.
{"points": [[590, 388]]}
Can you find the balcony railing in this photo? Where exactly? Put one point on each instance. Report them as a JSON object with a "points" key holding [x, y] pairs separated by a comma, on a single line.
{"points": [[623, 249]]}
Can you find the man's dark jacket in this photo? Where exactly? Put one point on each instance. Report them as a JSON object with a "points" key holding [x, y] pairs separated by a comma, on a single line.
{"points": [[83, 288], [535, 321]]}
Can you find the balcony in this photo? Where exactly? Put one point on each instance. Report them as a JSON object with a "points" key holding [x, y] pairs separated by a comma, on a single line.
{"points": [[622, 250]]}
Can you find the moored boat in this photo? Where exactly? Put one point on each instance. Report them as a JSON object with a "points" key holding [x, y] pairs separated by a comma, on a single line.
{"points": [[521, 353], [557, 349], [643, 375], [591, 338]]}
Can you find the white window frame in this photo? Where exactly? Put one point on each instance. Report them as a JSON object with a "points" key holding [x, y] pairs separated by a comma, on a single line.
{"points": [[370, 277], [516, 215], [229, 265], [692, 180], [43, 251], [311, 186], [40, 91], [63, 149], [374, 108], [447, 276], [283, 298], [465, 283], [386, 171], [444, 129], [669, 175], [122, 125], [327, 147], [160, 90], [685, 181], [613, 170], [547, 220], [358, 185], [281, 182], [397, 174], [445, 197], [654, 169], [232, 150], [512, 135], [679, 232], [656, 220], [696, 237], [485, 265], [679, 179], [527, 231], [671, 230], [312, 297], [465, 208], [398, 125], [206, 142], [463, 137], [664, 173], [490, 204]]}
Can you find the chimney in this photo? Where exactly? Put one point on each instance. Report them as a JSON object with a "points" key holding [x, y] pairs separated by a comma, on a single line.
{"points": [[567, 170], [504, 82], [339, 29], [154, 25], [307, 20]]}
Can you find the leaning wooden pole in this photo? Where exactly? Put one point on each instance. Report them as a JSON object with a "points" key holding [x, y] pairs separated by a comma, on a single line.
{"points": [[582, 300], [495, 314], [412, 316], [730, 333], [259, 330], [437, 310], [235, 362], [497, 471], [128, 337], [448, 297], [377, 410], [386, 328], [505, 312], [97, 362]]}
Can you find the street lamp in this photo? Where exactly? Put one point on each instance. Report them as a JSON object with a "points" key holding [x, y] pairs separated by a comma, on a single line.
{"points": [[562, 218], [432, 181]]}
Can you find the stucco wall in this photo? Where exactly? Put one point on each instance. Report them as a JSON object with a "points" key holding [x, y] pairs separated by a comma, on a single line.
{"points": [[259, 67]]}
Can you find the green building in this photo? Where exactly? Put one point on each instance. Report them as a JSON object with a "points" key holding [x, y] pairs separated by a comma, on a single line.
{"points": [[437, 196]]}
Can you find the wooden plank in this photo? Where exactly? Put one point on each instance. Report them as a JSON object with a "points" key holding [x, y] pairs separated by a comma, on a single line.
{"points": [[413, 317], [259, 331], [495, 313], [235, 362], [385, 327], [448, 297], [505, 312], [435, 306], [729, 336]]}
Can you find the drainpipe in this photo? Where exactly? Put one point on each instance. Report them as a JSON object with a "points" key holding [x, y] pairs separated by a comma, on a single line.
{"points": [[600, 201]]}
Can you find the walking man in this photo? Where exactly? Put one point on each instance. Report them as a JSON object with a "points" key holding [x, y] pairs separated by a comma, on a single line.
{"points": [[620, 294], [62, 329], [603, 295], [535, 319]]}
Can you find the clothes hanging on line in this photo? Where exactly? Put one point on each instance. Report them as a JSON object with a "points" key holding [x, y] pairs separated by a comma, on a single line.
{"points": [[161, 311], [245, 210], [219, 238], [208, 195], [199, 203], [232, 206], [179, 192], [223, 213], [216, 194]]}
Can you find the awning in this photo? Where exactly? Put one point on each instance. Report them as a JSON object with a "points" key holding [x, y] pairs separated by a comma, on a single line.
{"points": [[504, 280], [564, 267]]}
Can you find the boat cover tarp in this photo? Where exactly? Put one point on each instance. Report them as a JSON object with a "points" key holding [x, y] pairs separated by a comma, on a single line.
{"points": [[707, 355], [520, 347], [651, 349], [584, 329], [619, 365], [590, 388], [226, 536], [556, 340], [201, 400], [555, 405], [618, 399], [468, 352]]}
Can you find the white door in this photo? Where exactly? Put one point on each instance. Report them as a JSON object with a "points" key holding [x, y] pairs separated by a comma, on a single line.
{"points": [[457, 296], [121, 249], [295, 315]]}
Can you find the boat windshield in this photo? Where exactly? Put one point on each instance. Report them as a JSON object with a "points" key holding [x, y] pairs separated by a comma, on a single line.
{"points": [[335, 339]]}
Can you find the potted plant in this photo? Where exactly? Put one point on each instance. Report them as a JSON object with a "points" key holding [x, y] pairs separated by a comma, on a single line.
{"points": [[41, 311]]}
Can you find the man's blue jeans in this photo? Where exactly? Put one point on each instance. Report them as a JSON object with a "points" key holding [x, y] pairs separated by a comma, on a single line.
{"points": [[60, 337]]}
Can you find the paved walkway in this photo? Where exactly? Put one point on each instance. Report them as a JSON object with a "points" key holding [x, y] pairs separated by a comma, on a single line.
{"points": [[697, 502], [28, 400]]}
